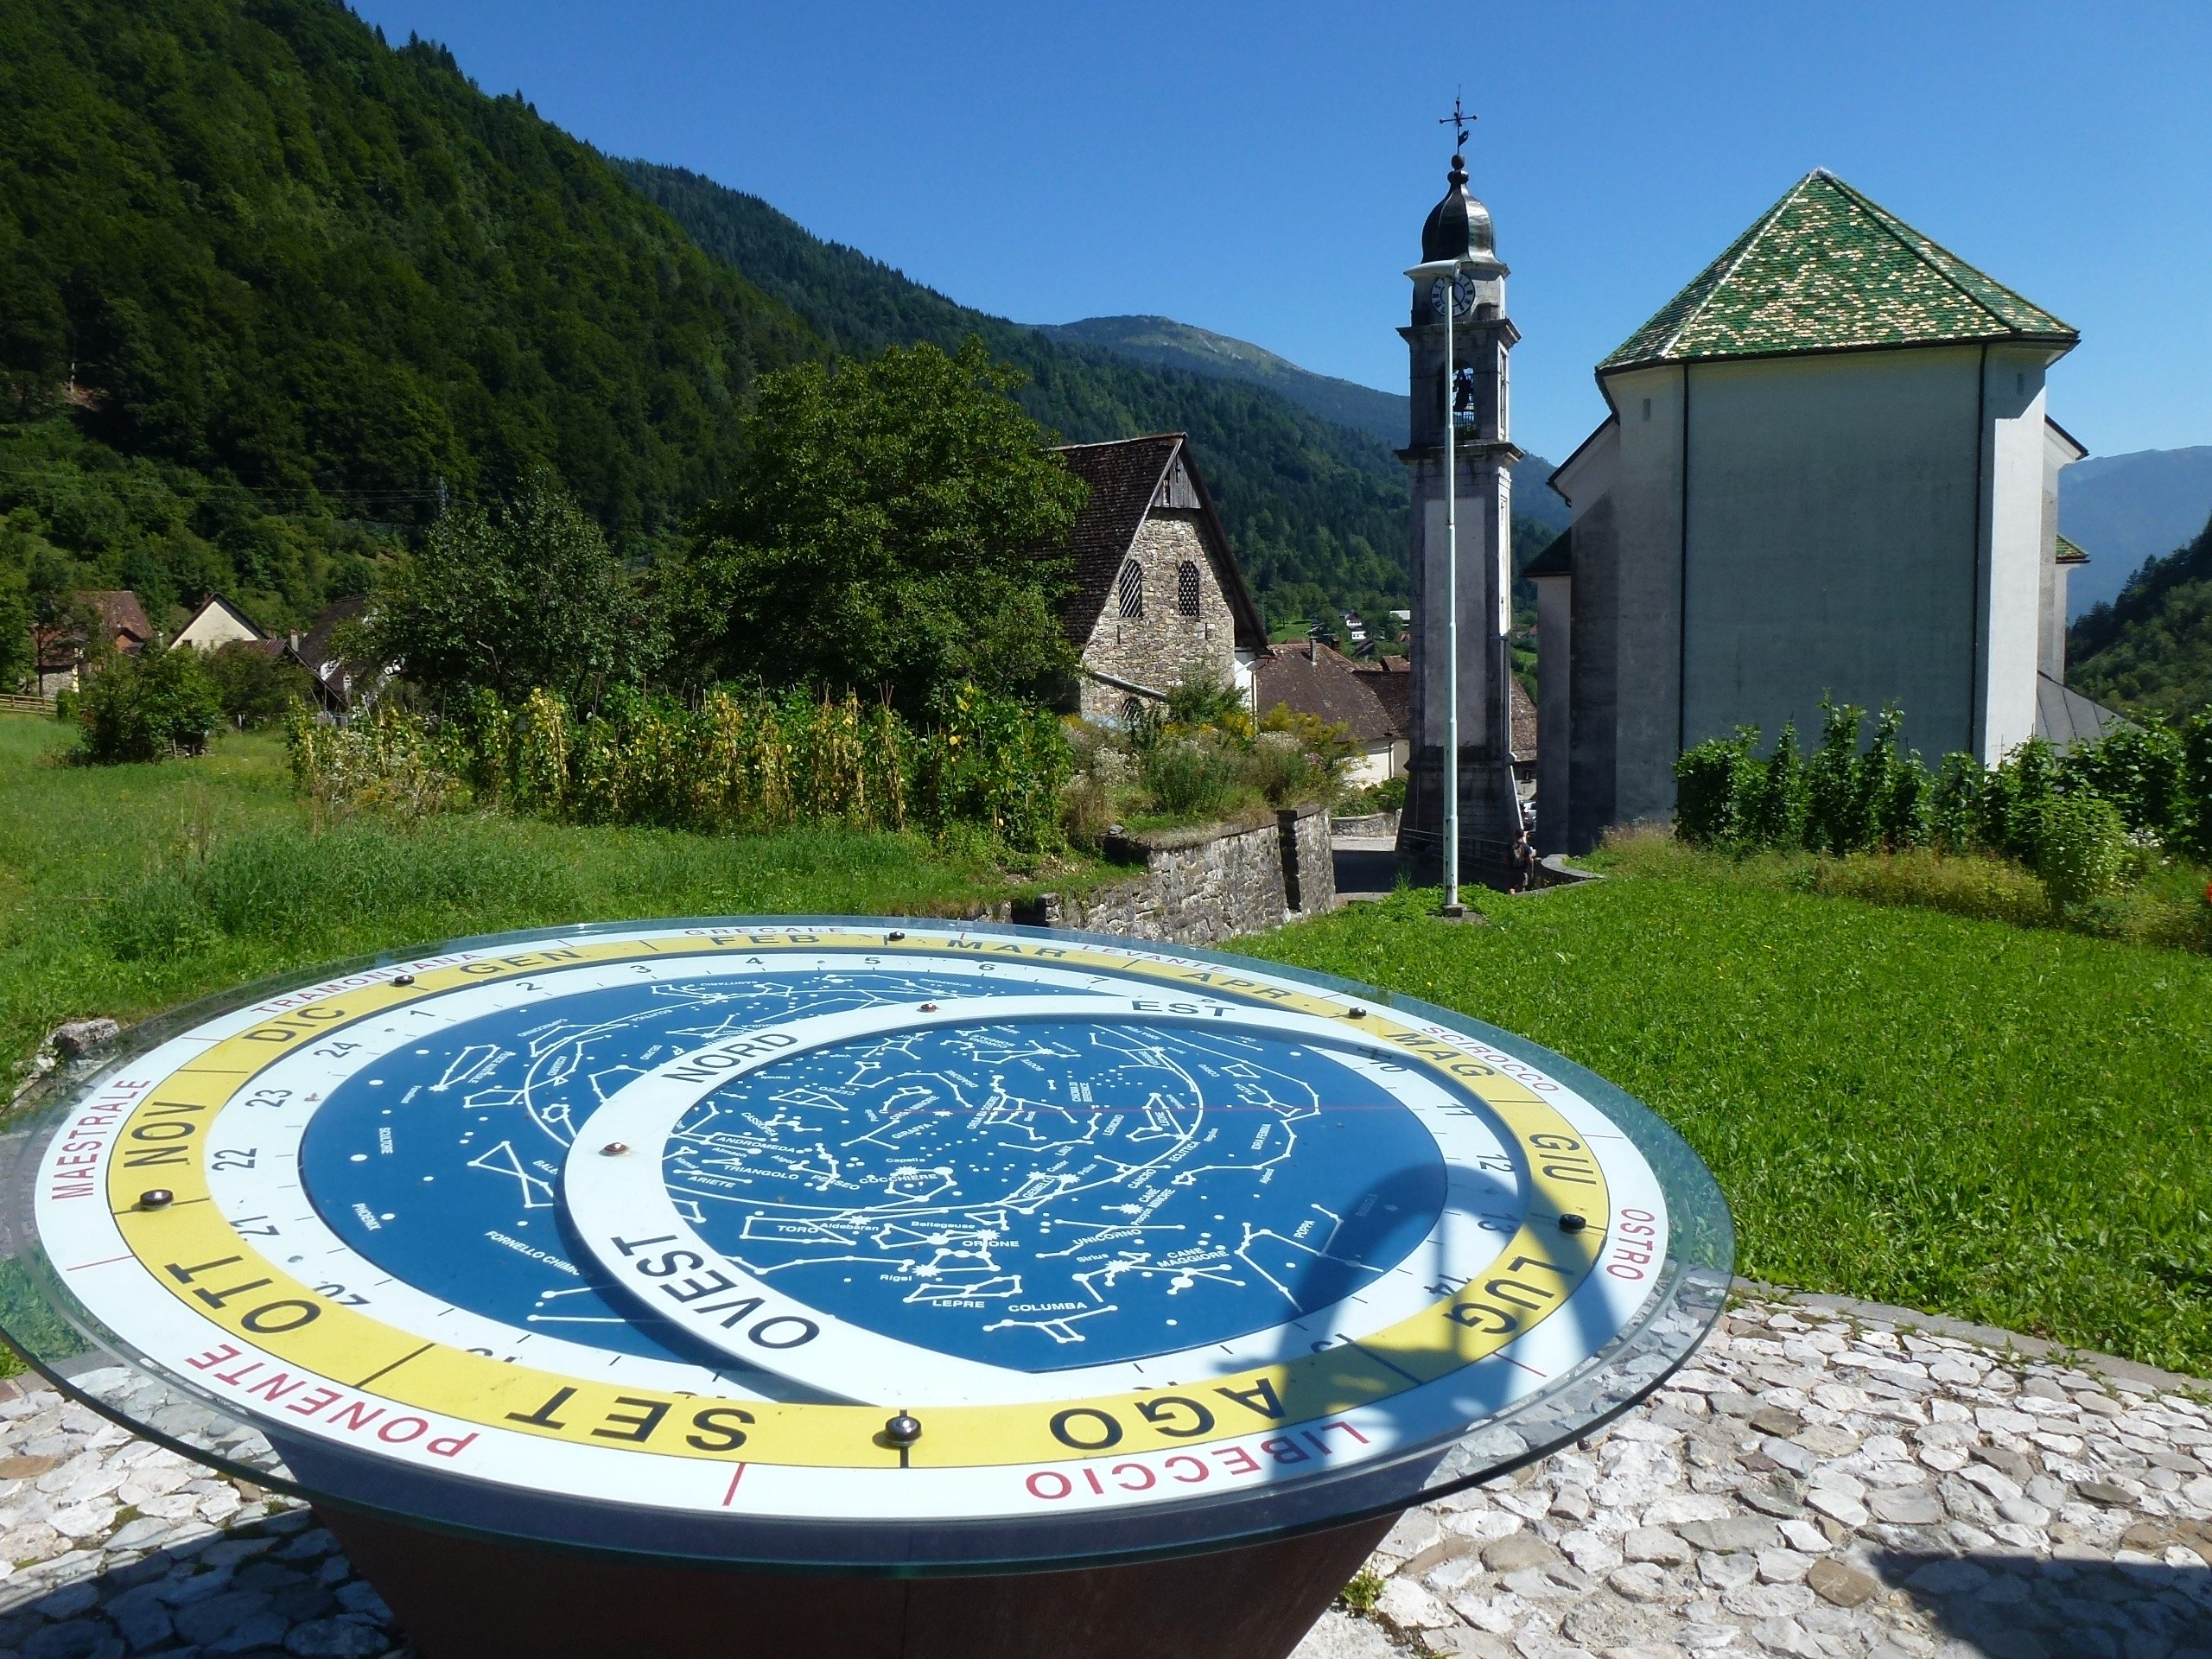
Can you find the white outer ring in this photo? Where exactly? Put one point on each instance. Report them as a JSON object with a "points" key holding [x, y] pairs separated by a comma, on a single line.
{"points": [[621, 1206]]}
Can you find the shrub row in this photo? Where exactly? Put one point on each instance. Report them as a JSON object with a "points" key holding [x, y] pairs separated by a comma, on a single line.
{"points": [[737, 761], [2071, 817]]}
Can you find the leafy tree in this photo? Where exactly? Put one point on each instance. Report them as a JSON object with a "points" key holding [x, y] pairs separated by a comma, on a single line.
{"points": [[1837, 819], [274, 246], [2011, 803], [16, 651], [145, 708], [883, 536], [530, 595], [255, 687], [2150, 650], [2080, 844], [1777, 801]]}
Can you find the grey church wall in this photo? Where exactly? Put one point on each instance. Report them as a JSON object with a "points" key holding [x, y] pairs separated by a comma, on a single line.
{"points": [[1647, 628], [1554, 709], [1594, 685], [1833, 513]]}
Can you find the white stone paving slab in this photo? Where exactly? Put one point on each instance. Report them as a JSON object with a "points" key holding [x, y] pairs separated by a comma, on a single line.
{"points": [[1817, 1484]]}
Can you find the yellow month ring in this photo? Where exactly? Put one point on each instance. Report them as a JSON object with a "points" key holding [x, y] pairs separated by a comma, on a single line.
{"points": [[189, 1249]]}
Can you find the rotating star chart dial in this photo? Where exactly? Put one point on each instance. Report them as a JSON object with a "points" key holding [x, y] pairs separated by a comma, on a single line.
{"points": [[851, 1220]]}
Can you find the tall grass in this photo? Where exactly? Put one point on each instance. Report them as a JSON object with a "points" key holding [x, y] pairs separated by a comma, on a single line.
{"points": [[126, 889], [2002, 1123]]}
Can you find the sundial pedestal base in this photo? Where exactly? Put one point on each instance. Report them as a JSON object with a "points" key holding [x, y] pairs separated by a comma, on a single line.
{"points": [[465, 1599]]}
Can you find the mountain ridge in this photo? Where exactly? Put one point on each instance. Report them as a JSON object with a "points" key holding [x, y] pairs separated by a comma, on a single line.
{"points": [[1316, 510], [1385, 415], [2150, 649], [2125, 509]]}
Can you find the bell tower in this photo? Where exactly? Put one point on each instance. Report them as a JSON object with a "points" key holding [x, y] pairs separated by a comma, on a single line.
{"points": [[1460, 319]]}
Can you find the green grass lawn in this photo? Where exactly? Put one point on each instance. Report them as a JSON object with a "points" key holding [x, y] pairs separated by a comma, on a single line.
{"points": [[2008, 1124], [2003, 1122], [128, 889]]}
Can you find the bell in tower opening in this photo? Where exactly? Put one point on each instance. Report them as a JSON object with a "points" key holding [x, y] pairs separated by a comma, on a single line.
{"points": [[1457, 343]]}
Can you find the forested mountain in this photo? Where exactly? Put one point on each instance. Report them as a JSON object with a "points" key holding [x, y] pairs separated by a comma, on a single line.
{"points": [[1317, 509], [2150, 650], [1384, 415], [275, 289], [265, 275]]}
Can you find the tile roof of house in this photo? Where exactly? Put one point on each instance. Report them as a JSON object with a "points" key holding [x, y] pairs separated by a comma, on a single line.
{"points": [[1826, 270], [119, 612], [2071, 552], [1524, 723], [1312, 679], [319, 646], [1391, 680], [116, 611], [1124, 476]]}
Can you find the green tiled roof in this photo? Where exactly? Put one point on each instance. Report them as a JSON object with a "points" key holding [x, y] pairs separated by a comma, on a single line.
{"points": [[2071, 552], [1825, 270]]}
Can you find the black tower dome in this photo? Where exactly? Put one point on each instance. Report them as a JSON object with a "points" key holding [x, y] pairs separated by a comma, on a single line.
{"points": [[1458, 226]]}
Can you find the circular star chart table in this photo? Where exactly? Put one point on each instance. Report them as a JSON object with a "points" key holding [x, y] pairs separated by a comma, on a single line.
{"points": [[852, 1288]]}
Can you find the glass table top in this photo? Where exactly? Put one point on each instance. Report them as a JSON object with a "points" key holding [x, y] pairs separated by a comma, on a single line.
{"points": [[851, 1244]]}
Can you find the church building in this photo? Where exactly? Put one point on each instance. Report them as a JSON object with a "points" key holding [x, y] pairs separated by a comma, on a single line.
{"points": [[1828, 469], [1158, 597]]}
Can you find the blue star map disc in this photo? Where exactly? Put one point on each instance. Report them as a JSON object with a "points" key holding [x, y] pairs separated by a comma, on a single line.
{"points": [[706, 1217]]}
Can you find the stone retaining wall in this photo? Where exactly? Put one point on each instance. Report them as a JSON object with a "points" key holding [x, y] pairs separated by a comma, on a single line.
{"points": [[1201, 886]]}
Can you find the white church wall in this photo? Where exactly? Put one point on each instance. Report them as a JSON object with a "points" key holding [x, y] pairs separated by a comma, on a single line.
{"points": [[1647, 499], [1832, 524], [2059, 452], [2014, 559], [1554, 708]]}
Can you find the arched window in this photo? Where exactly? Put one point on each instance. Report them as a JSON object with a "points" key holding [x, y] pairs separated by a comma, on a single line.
{"points": [[1187, 589], [1132, 588], [1132, 712]]}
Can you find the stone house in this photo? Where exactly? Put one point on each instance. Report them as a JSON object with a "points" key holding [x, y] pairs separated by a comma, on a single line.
{"points": [[1828, 469], [113, 617], [1158, 596]]}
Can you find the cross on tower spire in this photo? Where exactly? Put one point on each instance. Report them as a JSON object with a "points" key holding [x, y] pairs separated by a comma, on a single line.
{"points": [[1458, 120]]}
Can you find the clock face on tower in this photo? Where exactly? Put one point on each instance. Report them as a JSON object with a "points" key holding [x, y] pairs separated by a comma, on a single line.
{"points": [[1462, 290]]}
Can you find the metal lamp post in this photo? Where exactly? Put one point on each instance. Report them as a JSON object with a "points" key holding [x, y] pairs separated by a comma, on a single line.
{"points": [[1448, 270]]}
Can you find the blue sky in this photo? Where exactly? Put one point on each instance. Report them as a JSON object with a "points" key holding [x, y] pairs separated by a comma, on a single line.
{"points": [[1263, 169]]}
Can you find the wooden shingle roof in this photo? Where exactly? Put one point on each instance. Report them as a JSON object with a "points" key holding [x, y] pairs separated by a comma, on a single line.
{"points": [[1124, 475]]}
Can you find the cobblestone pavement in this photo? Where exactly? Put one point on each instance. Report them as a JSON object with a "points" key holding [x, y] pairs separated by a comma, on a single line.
{"points": [[1810, 1487], [1817, 1486], [109, 1545]]}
